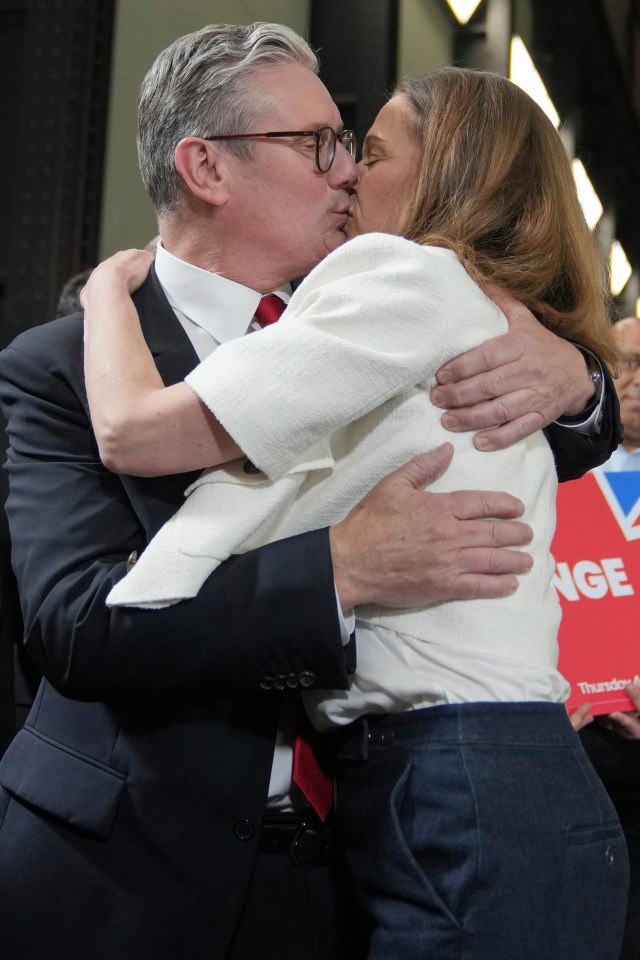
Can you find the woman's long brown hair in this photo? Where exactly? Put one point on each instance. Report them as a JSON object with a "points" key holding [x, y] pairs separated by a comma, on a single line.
{"points": [[495, 185]]}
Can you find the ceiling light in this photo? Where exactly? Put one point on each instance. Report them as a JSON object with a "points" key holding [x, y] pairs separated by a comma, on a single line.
{"points": [[589, 199], [463, 10], [522, 72], [619, 268]]}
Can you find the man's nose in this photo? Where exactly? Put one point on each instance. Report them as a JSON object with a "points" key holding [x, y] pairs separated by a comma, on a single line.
{"points": [[344, 171]]}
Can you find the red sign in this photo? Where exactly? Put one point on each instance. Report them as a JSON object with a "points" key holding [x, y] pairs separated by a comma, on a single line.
{"points": [[597, 580]]}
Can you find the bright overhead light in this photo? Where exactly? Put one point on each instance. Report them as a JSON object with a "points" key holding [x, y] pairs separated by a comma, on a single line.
{"points": [[463, 10], [589, 199], [638, 307], [619, 268], [522, 72]]}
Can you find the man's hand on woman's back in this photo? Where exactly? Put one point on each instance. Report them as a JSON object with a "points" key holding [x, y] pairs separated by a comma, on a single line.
{"points": [[403, 546]]}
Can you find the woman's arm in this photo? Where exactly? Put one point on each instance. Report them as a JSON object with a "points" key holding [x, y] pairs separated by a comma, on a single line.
{"points": [[142, 427]]}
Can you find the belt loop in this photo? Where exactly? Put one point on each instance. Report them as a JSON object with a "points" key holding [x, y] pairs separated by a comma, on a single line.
{"points": [[357, 746]]}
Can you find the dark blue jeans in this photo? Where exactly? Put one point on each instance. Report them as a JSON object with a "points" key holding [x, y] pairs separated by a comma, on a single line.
{"points": [[481, 832]]}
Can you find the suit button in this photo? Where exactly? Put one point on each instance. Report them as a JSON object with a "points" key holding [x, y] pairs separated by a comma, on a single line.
{"points": [[244, 830], [307, 678], [292, 681], [250, 467], [279, 681], [266, 683]]}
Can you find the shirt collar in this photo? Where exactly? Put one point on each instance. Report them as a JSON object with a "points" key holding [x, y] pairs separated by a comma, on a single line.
{"points": [[220, 306]]}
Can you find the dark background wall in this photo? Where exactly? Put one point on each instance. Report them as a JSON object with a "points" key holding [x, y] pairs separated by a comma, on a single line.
{"points": [[54, 77]]}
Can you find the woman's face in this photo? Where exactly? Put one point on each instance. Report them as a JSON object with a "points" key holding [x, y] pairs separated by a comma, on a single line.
{"points": [[386, 172]]}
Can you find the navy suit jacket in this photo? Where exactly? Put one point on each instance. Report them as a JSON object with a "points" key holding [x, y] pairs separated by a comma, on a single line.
{"points": [[139, 781]]}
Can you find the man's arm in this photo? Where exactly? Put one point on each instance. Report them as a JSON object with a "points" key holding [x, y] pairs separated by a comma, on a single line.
{"points": [[264, 615], [523, 381], [73, 526]]}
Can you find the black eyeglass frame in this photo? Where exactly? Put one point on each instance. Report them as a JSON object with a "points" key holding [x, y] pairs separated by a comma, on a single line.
{"points": [[347, 138]]}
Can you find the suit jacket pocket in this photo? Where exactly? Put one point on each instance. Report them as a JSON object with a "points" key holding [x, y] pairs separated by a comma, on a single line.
{"points": [[62, 783]]}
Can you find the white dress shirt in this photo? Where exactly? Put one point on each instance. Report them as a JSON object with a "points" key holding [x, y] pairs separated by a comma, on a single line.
{"points": [[211, 308]]}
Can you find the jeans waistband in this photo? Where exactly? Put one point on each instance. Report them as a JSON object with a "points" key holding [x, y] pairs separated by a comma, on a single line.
{"points": [[490, 723]]}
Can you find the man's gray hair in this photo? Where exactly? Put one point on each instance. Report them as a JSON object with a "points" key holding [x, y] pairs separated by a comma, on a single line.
{"points": [[202, 85]]}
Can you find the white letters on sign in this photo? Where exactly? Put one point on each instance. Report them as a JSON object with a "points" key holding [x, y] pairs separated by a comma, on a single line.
{"points": [[592, 579]]}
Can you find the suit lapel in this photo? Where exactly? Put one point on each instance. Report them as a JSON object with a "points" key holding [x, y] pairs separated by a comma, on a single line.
{"points": [[165, 336], [156, 499]]}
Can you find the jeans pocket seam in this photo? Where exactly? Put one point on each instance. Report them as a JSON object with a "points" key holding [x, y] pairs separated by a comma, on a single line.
{"points": [[584, 835], [409, 853]]}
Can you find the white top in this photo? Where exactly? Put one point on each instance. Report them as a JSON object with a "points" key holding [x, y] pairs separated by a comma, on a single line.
{"points": [[326, 403]]}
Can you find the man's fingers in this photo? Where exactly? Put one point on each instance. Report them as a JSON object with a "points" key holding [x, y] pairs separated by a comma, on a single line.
{"points": [[424, 468], [487, 412], [507, 434], [490, 534], [503, 386], [511, 533], [496, 352], [493, 561], [469, 586], [475, 504], [488, 356], [404, 546]]}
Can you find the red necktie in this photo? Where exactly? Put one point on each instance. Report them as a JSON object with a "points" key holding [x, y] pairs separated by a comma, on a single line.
{"points": [[312, 766], [270, 309]]}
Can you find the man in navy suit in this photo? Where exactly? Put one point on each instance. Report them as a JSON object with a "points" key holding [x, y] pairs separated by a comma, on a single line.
{"points": [[146, 808]]}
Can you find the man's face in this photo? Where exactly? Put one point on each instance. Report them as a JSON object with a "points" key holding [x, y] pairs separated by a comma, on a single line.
{"points": [[281, 205], [626, 334]]}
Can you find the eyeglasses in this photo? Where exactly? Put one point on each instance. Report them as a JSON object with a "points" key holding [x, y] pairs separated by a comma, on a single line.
{"points": [[325, 137]]}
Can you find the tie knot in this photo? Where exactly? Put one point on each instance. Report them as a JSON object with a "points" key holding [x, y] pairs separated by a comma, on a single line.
{"points": [[270, 309]]}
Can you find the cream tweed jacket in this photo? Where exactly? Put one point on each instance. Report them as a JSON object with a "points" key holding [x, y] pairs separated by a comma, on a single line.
{"points": [[327, 402]]}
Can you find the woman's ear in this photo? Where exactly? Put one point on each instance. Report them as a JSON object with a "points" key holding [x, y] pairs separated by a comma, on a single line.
{"points": [[204, 169]]}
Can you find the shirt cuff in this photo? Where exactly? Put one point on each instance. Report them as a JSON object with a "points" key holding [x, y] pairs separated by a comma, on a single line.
{"points": [[347, 620], [589, 421]]}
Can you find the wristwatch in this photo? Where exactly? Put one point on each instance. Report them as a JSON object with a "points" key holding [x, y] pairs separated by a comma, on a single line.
{"points": [[595, 372]]}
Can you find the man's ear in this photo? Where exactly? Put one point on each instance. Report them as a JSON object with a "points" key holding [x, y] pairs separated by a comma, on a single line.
{"points": [[204, 168]]}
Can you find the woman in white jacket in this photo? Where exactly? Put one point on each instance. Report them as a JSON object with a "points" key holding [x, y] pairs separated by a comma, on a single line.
{"points": [[472, 820]]}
